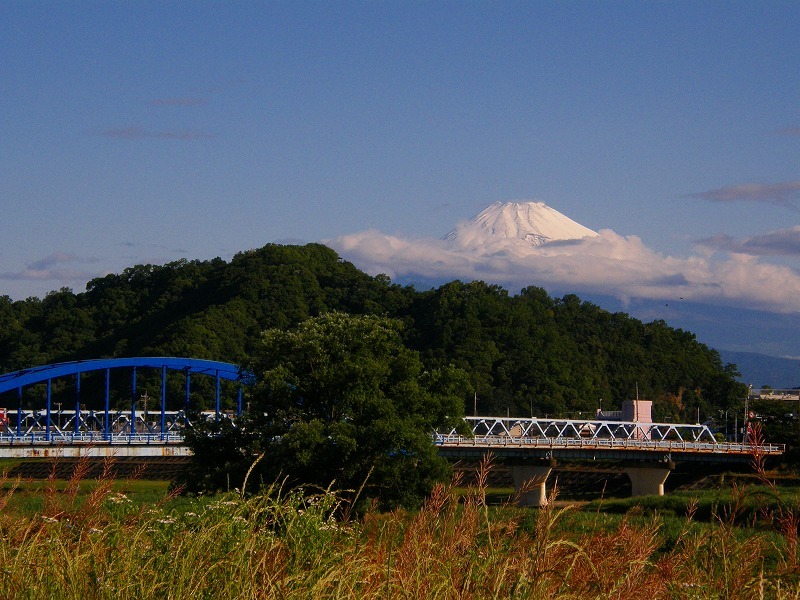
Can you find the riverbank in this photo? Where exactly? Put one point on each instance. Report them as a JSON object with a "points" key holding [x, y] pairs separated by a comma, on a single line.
{"points": [[110, 538]]}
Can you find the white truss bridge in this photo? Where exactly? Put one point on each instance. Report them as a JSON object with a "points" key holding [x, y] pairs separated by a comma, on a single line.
{"points": [[70, 433], [20, 423], [546, 438]]}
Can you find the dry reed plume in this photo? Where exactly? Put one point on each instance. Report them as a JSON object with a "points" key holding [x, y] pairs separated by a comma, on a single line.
{"points": [[294, 544]]}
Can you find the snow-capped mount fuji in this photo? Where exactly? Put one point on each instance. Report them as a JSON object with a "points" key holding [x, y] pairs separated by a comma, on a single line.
{"points": [[532, 222]]}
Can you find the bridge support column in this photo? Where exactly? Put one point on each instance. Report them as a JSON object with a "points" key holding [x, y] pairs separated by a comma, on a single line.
{"points": [[647, 481], [529, 483]]}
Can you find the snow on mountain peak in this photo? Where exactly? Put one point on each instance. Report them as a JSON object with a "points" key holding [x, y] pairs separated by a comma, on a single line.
{"points": [[533, 222]]}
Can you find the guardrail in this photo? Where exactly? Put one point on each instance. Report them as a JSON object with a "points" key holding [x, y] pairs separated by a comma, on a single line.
{"points": [[98, 438], [504, 441]]}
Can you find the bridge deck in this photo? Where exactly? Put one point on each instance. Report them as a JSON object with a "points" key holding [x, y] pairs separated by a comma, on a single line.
{"points": [[172, 444], [600, 448]]}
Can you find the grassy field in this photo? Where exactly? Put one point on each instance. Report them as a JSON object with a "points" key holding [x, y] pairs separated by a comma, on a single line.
{"points": [[130, 539]]}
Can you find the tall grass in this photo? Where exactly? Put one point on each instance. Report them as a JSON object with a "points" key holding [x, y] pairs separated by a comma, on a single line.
{"points": [[290, 544]]}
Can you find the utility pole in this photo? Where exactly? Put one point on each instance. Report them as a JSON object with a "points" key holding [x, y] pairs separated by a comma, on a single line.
{"points": [[746, 437], [726, 423]]}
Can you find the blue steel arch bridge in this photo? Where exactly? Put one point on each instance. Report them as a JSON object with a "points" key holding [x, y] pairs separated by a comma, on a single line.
{"points": [[73, 425]]}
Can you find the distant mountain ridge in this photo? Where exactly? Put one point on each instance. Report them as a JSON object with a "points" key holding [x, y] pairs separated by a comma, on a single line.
{"points": [[760, 370], [533, 222]]}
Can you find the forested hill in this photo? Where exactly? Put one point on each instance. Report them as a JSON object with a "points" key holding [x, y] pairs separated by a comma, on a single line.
{"points": [[524, 352]]}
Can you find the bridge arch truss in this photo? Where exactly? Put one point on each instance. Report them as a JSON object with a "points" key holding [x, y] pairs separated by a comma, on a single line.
{"points": [[18, 424]]}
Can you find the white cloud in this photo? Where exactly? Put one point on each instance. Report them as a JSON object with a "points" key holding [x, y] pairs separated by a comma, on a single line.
{"points": [[179, 101], [609, 264], [793, 131], [782, 242], [780, 193], [139, 133], [55, 268]]}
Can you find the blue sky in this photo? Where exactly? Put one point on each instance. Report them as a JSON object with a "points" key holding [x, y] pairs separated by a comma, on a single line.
{"points": [[135, 132]]}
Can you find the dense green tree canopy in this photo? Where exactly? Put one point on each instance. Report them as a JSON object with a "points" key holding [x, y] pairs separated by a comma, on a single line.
{"points": [[340, 401], [523, 353]]}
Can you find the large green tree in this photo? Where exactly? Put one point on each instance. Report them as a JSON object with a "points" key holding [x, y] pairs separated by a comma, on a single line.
{"points": [[339, 401]]}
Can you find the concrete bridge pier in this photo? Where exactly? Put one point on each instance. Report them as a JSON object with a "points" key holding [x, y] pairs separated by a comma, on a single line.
{"points": [[529, 482], [648, 480]]}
